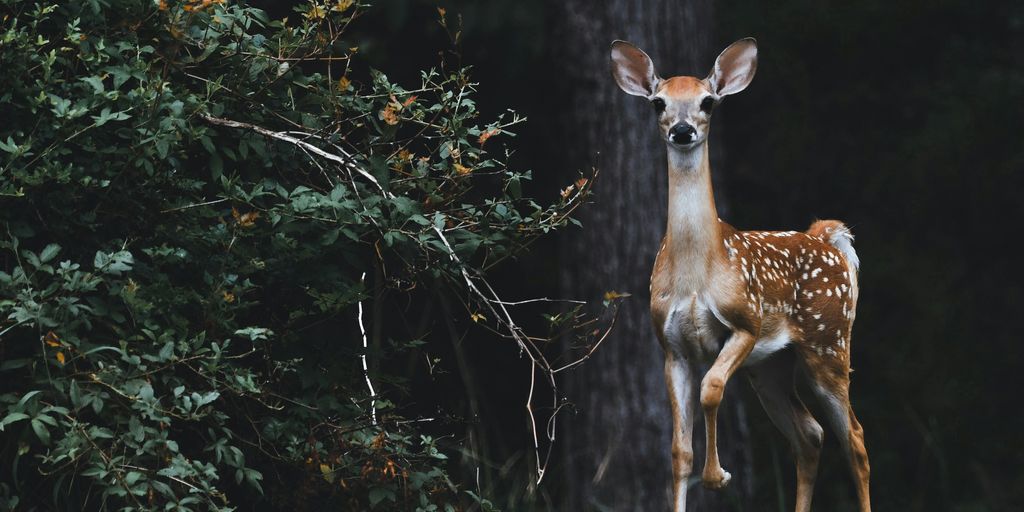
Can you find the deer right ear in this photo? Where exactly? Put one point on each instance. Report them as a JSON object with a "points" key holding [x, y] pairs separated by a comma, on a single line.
{"points": [[633, 70]]}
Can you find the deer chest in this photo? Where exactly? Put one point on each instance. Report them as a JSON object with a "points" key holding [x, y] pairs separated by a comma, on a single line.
{"points": [[688, 324]]}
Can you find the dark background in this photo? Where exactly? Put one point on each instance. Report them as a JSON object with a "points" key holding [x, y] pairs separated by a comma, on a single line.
{"points": [[902, 119]]}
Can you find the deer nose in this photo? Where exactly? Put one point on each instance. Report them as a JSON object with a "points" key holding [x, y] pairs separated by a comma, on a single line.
{"points": [[682, 133]]}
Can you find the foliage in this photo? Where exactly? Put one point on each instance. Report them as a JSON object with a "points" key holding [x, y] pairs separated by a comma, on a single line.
{"points": [[197, 201]]}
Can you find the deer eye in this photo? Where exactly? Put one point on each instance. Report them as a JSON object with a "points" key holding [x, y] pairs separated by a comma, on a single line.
{"points": [[707, 105], [659, 105]]}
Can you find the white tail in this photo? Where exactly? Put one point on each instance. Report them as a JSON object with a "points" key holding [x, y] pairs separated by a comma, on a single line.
{"points": [[738, 298]]}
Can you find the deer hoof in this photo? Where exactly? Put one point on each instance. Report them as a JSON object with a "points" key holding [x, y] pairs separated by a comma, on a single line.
{"points": [[716, 479]]}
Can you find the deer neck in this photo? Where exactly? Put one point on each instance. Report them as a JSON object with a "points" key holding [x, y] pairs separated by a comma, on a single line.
{"points": [[693, 237]]}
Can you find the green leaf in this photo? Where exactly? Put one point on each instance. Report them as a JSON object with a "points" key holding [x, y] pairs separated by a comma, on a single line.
{"points": [[49, 252], [41, 431], [13, 417], [28, 396], [378, 494], [96, 83], [135, 427], [216, 166], [75, 393], [9, 146], [167, 351], [132, 477]]}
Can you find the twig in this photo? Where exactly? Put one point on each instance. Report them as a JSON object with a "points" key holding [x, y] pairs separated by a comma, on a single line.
{"points": [[366, 369], [186, 207], [346, 161]]}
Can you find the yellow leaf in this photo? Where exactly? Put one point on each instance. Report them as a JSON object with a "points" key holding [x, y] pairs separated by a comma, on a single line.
{"points": [[51, 339], [343, 83], [342, 5], [462, 169], [316, 12], [327, 473], [477, 317], [612, 295], [228, 296], [60, 358]]}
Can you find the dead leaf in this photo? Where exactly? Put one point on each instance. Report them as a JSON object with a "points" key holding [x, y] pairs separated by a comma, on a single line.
{"points": [[245, 220], [486, 135], [389, 115]]}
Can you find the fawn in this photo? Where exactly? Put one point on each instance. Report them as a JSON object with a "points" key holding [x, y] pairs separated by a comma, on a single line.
{"points": [[735, 298]]}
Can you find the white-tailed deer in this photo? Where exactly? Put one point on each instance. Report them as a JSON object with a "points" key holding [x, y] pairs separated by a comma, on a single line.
{"points": [[734, 298]]}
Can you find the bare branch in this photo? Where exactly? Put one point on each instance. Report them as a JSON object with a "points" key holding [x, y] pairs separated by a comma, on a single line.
{"points": [[346, 160]]}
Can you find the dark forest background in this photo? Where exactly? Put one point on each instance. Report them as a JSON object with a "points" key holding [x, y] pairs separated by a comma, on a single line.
{"points": [[902, 119]]}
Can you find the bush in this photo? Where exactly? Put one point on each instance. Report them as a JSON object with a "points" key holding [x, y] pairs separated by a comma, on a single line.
{"points": [[197, 202]]}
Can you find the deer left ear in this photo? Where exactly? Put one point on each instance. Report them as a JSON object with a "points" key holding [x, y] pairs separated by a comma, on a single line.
{"points": [[734, 67]]}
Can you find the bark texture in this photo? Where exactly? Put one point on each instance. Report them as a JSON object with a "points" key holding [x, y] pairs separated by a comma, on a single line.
{"points": [[616, 446]]}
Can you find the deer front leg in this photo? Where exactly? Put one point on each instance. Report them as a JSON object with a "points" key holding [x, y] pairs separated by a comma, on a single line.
{"points": [[681, 380], [735, 350]]}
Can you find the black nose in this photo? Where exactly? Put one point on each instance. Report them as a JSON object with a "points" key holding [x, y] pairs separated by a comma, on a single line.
{"points": [[682, 133]]}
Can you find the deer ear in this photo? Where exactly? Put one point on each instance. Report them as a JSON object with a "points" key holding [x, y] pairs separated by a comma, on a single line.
{"points": [[633, 70], [734, 67]]}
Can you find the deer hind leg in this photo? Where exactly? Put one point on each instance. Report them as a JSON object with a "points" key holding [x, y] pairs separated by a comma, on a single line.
{"points": [[832, 385], [774, 384], [732, 355], [681, 380]]}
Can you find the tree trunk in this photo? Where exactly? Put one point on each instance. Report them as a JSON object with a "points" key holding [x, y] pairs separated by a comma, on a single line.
{"points": [[617, 445]]}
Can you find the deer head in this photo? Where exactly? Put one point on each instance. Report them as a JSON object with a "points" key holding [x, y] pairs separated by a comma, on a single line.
{"points": [[684, 104]]}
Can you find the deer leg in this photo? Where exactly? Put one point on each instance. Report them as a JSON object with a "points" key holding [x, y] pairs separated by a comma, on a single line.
{"points": [[680, 377], [834, 393], [735, 350], [773, 382]]}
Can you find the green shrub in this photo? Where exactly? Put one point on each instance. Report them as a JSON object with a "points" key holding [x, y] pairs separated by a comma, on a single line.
{"points": [[196, 201]]}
